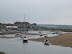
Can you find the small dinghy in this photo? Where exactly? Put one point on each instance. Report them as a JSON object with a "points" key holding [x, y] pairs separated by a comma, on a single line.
{"points": [[25, 40], [40, 34], [46, 42]]}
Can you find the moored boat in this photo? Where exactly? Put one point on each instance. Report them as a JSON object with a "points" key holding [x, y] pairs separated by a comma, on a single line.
{"points": [[25, 40], [40, 33], [46, 42], [18, 35]]}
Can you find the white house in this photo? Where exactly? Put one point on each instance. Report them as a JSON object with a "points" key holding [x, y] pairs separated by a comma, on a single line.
{"points": [[10, 26]]}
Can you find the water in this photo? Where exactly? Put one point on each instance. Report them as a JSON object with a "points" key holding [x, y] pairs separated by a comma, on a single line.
{"points": [[16, 46], [33, 36]]}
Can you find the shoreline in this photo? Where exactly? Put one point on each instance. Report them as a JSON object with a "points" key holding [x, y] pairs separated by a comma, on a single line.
{"points": [[62, 40]]}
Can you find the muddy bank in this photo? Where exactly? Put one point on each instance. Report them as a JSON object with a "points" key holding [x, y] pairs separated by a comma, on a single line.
{"points": [[7, 37], [9, 32], [63, 40]]}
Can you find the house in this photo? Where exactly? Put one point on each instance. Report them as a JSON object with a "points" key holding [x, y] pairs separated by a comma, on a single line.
{"points": [[23, 25], [2, 27], [10, 26]]}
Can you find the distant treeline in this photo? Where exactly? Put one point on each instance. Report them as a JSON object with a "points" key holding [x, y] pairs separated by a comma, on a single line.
{"points": [[65, 30]]}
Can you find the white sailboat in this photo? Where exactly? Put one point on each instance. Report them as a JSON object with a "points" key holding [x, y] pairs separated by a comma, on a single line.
{"points": [[25, 39]]}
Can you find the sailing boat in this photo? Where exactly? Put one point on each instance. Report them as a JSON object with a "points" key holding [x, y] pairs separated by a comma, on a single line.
{"points": [[25, 39]]}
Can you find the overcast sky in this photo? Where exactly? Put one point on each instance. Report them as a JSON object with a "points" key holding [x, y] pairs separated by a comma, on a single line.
{"points": [[36, 11]]}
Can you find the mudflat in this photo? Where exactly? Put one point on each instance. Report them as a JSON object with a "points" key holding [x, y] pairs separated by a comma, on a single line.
{"points": [[63, 40]]}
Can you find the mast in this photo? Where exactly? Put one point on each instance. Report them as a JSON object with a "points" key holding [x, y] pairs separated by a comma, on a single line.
{"points": [[24, 17], [24, 22], [25, 30]]}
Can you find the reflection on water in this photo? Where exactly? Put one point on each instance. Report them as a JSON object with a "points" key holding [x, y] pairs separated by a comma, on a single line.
{"points": [[16, 46]]}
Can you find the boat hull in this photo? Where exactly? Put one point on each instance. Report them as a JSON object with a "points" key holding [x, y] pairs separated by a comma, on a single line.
{"points": [[25, 41]]}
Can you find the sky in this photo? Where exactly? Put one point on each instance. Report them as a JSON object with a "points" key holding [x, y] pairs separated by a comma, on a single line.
{"points": [[36, 11]]}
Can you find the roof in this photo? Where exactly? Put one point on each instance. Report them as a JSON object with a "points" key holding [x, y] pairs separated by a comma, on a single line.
{"points": [[9, 24]]}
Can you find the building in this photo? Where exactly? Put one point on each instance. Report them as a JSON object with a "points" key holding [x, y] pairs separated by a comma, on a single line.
{"points": [[10, 26], [2, 27]]}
